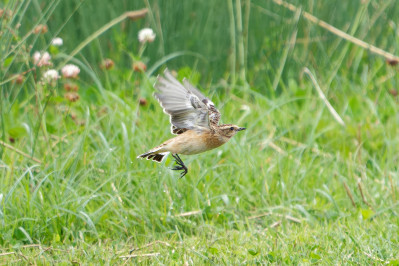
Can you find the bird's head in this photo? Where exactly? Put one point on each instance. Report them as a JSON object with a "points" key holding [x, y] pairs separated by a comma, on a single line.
{"points": [[229, 130]]}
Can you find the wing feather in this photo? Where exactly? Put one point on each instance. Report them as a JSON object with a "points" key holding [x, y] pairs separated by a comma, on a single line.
{"points": [[193, 89], [187, 107], [214, 114]]}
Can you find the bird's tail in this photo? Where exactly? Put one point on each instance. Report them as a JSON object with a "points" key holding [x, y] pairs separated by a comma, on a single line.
{"points": [[154, 155]]}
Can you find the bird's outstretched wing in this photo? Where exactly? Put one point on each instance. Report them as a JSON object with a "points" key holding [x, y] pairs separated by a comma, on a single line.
{"points": [[187, 107]]}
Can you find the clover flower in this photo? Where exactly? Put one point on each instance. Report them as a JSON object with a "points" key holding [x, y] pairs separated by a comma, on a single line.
{"points": [[57, 41], [50, 77], [51, 74], [146, 35], [42, 59], [70, 71]]}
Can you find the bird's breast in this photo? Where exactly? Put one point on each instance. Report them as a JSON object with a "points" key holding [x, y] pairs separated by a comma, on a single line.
{"points": [[193, 142]]}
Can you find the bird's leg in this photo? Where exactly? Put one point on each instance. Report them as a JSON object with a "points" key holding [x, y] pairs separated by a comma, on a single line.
{"points": [[180, 166]]}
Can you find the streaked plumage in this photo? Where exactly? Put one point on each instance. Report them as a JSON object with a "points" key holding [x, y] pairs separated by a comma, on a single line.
{"points": [[193, 117]]}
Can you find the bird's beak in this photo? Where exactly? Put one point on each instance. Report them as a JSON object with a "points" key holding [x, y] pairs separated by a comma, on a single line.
{"points": [[241, 128]]}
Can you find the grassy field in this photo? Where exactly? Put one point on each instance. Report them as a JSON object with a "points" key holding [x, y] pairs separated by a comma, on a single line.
{"points": [[313, 180]]}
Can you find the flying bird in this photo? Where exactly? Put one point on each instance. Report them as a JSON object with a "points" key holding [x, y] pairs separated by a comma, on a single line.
{"points": [[194, 119]]}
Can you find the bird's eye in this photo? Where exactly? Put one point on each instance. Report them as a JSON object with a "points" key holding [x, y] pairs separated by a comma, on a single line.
{"points": [[232, 128]]}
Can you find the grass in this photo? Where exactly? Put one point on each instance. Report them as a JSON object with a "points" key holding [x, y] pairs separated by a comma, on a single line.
{"points": [[296, 187], [305, 244]]}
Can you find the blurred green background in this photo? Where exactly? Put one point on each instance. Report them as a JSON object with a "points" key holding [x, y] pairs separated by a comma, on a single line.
{"points": [[204, 28]]}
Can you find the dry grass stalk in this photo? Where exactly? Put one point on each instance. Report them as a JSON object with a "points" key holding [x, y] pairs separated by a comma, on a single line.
{"points": [[390, 57], [151, 244], [392, 188], [276, 148], [349, 194], [288, 217], [362, 194], [323, 97], [302, 145], [133, 15], [275, 224], [184, 214], [140, 255], [20, 152], [6, 254]]}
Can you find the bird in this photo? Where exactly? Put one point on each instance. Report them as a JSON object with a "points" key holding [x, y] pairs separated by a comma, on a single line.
{"points": [[193, 118]]}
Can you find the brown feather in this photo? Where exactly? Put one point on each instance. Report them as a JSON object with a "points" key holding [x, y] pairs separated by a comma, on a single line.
{"points": [[178, 131]]}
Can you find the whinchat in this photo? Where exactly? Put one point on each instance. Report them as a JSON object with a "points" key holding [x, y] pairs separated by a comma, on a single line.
{"points": [[194, 119]]}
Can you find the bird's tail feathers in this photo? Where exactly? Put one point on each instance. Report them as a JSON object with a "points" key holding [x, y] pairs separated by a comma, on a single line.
{"points": [[154, 155]]}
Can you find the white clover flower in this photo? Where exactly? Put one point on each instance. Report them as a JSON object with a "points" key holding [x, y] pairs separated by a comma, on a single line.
{"points": [[146, 35], [41, 60], [51, 75], [245, 107], [46, 57], [36, 57], [70, 71], [57, 41]]}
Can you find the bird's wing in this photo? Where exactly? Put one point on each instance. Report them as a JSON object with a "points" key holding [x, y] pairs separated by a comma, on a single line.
{"points": [[186, 106], [214, 114]]}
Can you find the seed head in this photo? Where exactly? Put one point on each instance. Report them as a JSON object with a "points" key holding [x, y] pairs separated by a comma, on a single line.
{"points": [[107, 64], [41, 28], [139, 66], [5, 13], [72, 96], [393, 92], [392, 62], [71, 87], [143, 102], [19, 79]]}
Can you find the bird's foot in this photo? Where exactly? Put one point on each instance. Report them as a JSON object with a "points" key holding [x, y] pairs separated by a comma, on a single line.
{"points": [[180, 166], [183, 167]]}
